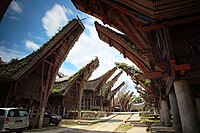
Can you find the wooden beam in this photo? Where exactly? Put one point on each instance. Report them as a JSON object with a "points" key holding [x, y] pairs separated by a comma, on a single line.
{"points": [[155, 26], [50, 63], [182, 67], [123, 10], [151, 75], [129, 32]]}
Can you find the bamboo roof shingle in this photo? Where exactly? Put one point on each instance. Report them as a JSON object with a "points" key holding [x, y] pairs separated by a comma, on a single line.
{"points": [[63, 86], [99, 82], [108, 86], [15, 68], [114, 92], [123, 44]]}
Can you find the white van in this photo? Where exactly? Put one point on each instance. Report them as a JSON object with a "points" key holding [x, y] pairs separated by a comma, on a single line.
{"points": [[13, 119]]}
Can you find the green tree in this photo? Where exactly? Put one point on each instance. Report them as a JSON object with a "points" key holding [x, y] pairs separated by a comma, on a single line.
{"points": [[137, 99]]}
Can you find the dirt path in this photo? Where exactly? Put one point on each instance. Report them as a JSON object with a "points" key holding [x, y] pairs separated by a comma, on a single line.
{"points": [[101, 127], [109, 125]]}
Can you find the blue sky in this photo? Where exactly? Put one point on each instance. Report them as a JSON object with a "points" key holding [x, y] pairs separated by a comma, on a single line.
{"points": [[28, 24]]}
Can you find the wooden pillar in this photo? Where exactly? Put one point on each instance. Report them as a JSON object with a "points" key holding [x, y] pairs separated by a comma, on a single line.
{"points": [[113, 99], [84, 108], [38, 112], [162, 122], [90, 101], [175, 112], [58, 110], [198, 107], [186, 105], [64, 109], [54, 107], [32, 110], [80, 95], [166, 114]]}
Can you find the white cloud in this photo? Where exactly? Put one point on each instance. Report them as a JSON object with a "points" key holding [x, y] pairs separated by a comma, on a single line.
{"points": [[13, 18], [7, 54], [31, 45], [55, 19], [16, 7]]}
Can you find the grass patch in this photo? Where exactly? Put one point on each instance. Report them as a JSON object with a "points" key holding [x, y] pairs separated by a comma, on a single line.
{"points": [[149, 121], [66, 122], [123, 128]]}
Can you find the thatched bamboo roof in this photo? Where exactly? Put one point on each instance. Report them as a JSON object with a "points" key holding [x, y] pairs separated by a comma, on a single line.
{"points": [[108, 86], [113, 92], [61, 87], [123, 44], [15, 68], [96, 83]]}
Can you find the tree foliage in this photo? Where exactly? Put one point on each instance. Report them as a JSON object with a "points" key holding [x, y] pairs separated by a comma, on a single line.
{"points": [[137, 99]]}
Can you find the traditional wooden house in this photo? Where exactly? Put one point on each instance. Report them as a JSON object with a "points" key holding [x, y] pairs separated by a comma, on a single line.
{"points": [[166, 32], [92, 92], [127, 101], [112, 95], [67, 93], [144, 83], [122, 101], [106, 91], [121, 42], [28, 82]]}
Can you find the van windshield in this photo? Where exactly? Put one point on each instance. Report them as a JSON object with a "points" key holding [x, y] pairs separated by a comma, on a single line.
{"points": [[2, 112]]}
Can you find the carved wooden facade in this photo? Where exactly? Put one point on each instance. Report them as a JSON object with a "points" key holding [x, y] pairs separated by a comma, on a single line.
{"points": [[157, 33], [67, 94], [166, 32], [28, 82], [112, 94], [92, 93], [107, 91]]}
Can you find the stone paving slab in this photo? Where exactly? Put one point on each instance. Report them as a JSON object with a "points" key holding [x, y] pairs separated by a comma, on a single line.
{"points": [[102, 119], [109, 125], [134, 117], [137, 130], [105, 125]]}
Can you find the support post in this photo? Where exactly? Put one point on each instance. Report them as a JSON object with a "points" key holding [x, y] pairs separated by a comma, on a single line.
{"points": [[113, 100], [186, 105], [64, 109], [32, 110], [84, 105], [58, 110], [162, 122], [175, 112], [80, 92], [166, 114], [54, 107], [38, 112], [198, 107]]}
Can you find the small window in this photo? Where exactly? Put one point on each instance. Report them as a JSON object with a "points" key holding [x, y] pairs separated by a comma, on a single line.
{"points": [[2, 112]]}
